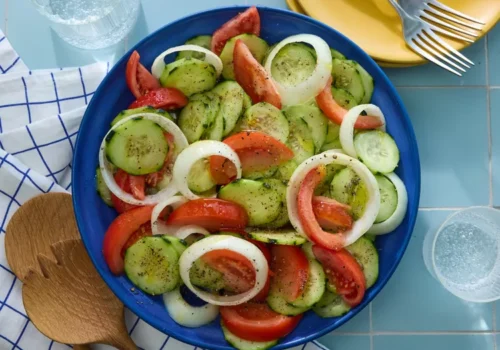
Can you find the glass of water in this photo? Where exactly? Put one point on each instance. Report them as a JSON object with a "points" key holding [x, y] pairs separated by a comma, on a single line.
{"points": [[464, 254], [90, 24]]}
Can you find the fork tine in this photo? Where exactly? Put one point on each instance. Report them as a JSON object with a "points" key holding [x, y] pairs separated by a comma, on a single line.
{"points": [[445, 24], [455, 12], [447, 46], [447, 32], [453, 19], [430, 46], [431, 58]]}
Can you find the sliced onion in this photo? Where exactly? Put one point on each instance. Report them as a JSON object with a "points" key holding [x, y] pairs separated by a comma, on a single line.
{"points": [[397, 217], [312, 86], [187, 315], [361, 225], [211, 58], [158, 227], [193, 153], [188, 230], [237, 245], [346, 134], [180, 142]]}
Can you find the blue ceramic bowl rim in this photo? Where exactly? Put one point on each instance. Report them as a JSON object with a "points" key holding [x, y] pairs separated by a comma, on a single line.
{"points": [[122, 294]]}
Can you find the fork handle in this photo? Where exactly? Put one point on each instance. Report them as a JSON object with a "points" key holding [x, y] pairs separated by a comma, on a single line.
{"points": [[402, 13]]}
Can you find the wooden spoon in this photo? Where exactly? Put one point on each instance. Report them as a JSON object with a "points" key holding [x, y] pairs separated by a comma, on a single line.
{"points": [[70, 303]]}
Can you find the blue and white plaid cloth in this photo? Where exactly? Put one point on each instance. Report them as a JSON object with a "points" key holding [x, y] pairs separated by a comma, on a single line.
{"points": [[40, 114]]}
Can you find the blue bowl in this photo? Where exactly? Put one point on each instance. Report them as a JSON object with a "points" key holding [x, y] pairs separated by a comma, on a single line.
{"points": [[112, 96]]}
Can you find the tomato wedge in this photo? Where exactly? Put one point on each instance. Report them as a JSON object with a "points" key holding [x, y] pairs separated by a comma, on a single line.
{"points": [[238, 272], [245, 22], [118, 234], [143, 231], [211, 213], [137, 186], [262, 295], [331, 215], [164, 98], [154, 178], [257, 322], [122, 180], [336, 113], [253, 78], [344, 272], [138, 78], [306, 213], [291, 271], [257, 152]]}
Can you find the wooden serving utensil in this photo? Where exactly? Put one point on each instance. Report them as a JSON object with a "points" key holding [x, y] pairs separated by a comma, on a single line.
{"points": [[70, 303]]}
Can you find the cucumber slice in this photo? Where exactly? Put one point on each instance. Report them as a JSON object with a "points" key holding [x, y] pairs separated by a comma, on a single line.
{"points": [[285, 171], [281, 306], [204, 41], [367, 256], [213, 128], [331, 305], [203, 276], [257, 46], [347, 188], [190, 76], [231, 109], [261, 199], [147, 109], [138, 146], [267, 53], [377, 150], [266, 118], [282, 218], [200, 178], [102, 189], [152, 265], [315, 120], [388, 198], [323, 189], [247, 102], [315, 286], [300, 140], [307, 249], [333, 132], [178, 244], [332, 145], [336, 54], [256, 175], [293, 64], [345, 76], [242, 344], [197, 116], [344, 98], [284, 237], [368, 84]]}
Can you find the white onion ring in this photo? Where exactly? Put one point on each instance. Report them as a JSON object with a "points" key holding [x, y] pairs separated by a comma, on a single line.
{"points": [[195, 152], [157, 226], [211, 58], [187, 315], [346, 134], [186, 231], [397, 217], [372, 206], [237, 245], [312, 86], [180, 142]]}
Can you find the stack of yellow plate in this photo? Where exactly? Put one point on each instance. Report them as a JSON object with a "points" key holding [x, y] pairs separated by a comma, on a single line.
{"points": [[375, 26]]}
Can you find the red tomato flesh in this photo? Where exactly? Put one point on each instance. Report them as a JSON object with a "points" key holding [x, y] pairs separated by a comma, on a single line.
{"points": [[257, 152], [331, 215], [257, 322], [122, 180], [290, 271], [253, 78], [143, 231], [139, 80], [118, 234], [336, 113], [211, 213], [344, 272], [262, 295], [164, 98], [246, 22]]}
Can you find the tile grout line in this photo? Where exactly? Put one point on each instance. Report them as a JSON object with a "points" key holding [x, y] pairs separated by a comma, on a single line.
{"points": [[370, 313], [416, 333], [488, 124]]}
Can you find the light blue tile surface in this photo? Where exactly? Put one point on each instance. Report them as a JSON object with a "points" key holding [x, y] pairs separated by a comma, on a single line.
{"points": [[432, 75], [453, 150], [359, 324], [434, 342], [495, 145], [494, 54], [414, 301], [346, 342]]}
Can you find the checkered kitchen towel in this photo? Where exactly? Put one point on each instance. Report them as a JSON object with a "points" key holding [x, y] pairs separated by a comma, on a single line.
{"points": [[40, 114]]}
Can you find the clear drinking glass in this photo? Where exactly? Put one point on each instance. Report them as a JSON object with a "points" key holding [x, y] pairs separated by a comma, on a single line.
{"points": [[464, 254], [90, 24]]}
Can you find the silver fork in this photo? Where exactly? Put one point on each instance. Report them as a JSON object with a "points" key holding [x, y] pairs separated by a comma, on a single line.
{"points": [[434, 11], [420, 37]]}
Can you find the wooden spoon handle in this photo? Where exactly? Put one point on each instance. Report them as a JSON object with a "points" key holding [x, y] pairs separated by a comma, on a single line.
{"points": [[124, 342], [81, 347]]}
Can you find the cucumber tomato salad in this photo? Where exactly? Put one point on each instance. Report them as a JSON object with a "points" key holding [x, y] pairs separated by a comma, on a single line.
{"points": [[253, 176]]}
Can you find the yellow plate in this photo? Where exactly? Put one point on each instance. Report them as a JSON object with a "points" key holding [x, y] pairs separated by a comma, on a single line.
{"points": [[375, 26]]}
